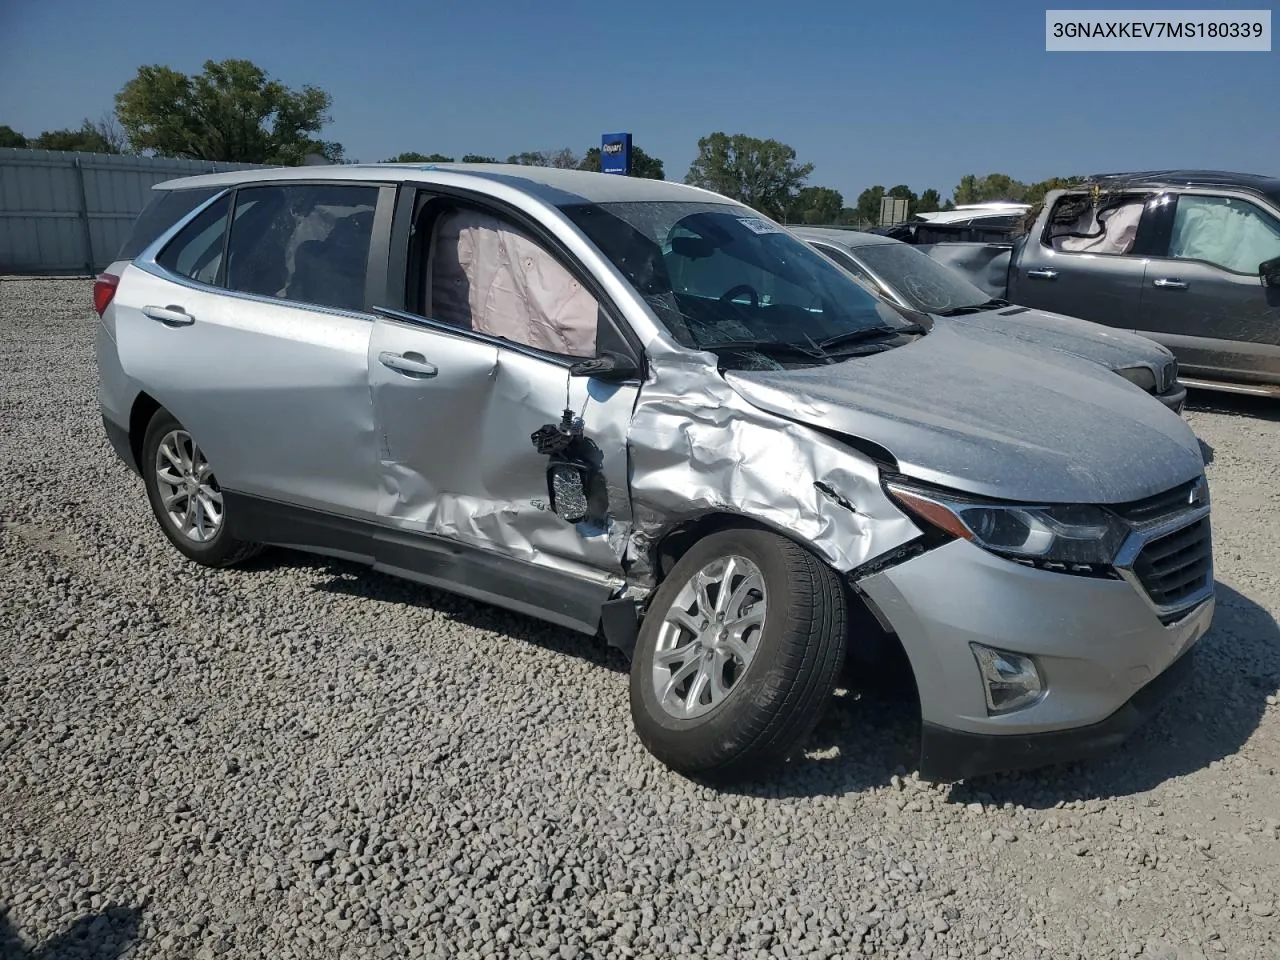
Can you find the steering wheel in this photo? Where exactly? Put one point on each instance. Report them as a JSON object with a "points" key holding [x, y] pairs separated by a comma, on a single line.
{"points": [[741, 288]]}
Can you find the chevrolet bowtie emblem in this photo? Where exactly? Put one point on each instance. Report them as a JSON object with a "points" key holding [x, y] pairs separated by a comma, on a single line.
{"points": [[1196, 497]]}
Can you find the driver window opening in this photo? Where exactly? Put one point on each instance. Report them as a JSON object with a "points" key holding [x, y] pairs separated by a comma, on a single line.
{"points": [[1110, 226], [483, 273]]}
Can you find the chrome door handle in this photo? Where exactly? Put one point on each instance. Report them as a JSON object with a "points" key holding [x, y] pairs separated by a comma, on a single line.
{"points": [[410, 364], [172, 315], [1042, 274], [1170, 283]]}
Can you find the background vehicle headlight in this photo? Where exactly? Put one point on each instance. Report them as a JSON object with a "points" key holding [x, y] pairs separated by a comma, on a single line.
{"points": [[1054, 534], [1140, 377]]}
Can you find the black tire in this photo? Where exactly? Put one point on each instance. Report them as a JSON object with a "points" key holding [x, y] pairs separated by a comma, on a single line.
{"points": [[220, 550], [775, 704]]}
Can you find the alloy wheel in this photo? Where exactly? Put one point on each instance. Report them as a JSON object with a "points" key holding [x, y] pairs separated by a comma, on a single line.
{"points": [[189, 492], [709, 637]]}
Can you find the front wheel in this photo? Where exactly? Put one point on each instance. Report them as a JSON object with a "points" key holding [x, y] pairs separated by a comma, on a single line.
{"points": [[737, 656], [186, 497]]}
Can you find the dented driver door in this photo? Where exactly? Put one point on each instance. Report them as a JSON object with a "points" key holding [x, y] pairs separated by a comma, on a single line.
{"points": [[455, 411]]}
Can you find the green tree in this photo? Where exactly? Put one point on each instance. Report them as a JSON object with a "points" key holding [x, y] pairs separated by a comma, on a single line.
{"points": [[90, 138], [232, 111], [642, 165], [477, 158], [10, 137], [929, 201], [869, 204], [1000, 186], [967, 189], [760, 173], [1036, 192], [994, 186], [816, 205], [412, 156], [564, 158]]}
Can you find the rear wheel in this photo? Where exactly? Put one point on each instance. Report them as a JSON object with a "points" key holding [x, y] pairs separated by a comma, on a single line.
{"points": [[186, 497], [737, 656]]}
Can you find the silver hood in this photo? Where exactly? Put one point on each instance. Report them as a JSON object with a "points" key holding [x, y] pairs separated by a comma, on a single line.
{"points": [[1081, 338], [992, 415]]}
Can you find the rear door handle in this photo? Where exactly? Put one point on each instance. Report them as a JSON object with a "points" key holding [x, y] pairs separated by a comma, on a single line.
{"points": [[410, 364], [172, 315], [1043, 274], [1170, 283]]}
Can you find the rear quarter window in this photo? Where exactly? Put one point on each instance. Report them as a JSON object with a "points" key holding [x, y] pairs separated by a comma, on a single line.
{"points": [[163, 210]]}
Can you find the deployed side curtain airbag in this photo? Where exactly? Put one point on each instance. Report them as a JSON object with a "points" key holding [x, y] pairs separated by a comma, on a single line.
{"points": [[1108, 230], [486, 275], [1229, 233]]}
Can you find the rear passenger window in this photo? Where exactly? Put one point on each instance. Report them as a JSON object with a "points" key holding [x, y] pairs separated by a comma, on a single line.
{"points": [[165, 208], [1229, 233], [307, 243], [196, 252]]}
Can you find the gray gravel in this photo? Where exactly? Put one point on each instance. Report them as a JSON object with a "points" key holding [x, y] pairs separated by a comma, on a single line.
{"points": [[301, 759]]}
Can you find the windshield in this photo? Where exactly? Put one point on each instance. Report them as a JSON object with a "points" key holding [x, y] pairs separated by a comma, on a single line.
{"points": [[922, 281], [718, 274]]}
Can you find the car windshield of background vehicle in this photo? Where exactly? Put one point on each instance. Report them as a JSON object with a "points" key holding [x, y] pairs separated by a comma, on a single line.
{"points": [[922, 281], [717, 273]]}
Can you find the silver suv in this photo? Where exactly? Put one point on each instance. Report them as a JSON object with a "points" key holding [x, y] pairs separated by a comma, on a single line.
{"points": [[641, 409]]}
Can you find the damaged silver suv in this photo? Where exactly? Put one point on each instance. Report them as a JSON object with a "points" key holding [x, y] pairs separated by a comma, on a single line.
{"points": [[638, 408]]}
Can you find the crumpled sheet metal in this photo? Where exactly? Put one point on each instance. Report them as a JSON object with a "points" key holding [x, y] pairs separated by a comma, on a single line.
{"points": [[699, 448], [472, 480]]}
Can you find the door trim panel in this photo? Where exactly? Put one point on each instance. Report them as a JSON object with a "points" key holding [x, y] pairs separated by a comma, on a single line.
{"points": [[561, 598]]}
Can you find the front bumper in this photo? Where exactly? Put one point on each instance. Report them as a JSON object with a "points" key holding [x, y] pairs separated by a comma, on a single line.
{"points": [[947, 755], [1175, 398], [1096, 642]]}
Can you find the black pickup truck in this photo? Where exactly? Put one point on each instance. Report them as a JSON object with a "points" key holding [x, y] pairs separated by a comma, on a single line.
{"points": [[1188, 258]]}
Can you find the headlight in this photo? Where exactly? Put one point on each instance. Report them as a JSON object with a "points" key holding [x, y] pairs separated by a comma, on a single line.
{"points": [[1064, 537], [1140, 377]]}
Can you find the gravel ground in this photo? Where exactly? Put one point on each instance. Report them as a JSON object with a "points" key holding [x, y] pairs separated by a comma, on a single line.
{"points": [[301, 759]]}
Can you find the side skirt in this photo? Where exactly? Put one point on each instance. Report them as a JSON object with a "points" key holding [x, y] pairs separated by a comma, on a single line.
{"points": [[537, 591]]}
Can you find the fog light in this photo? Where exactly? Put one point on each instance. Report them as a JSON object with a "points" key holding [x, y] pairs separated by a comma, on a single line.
{"points": [[1010, 680]]}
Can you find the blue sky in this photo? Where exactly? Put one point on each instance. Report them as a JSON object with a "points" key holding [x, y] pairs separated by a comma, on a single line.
{"points": [[918, 93]]}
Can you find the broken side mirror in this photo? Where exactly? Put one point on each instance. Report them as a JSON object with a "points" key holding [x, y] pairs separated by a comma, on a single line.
{"points": [[1269, 271], [567, 486], [609, 366]]}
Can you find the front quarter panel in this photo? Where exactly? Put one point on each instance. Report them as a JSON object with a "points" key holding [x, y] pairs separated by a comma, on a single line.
{"points": [[697, 448]]}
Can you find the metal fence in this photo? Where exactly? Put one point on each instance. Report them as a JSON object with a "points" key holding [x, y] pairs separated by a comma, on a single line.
{"points": [[68, 213]]}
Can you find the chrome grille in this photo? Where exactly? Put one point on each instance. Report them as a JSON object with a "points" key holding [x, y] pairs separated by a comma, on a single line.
{"points": [[1177, 566]]}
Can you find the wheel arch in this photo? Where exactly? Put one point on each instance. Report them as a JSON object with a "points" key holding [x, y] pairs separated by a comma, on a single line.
{"points": [[869, 639]]}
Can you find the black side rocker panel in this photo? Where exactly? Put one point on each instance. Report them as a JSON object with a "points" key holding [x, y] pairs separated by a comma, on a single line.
{"points": [[526, 588], [118, 437]]}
